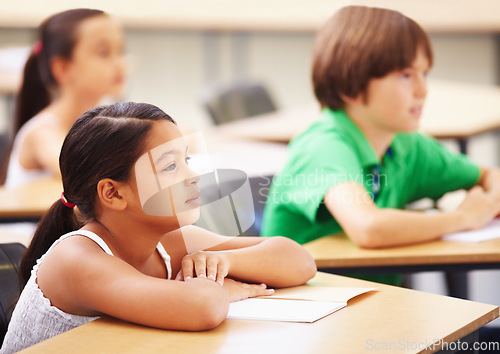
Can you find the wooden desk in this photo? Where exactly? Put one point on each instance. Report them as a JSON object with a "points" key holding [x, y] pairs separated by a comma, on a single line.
{"points": [[29, 201], [390, 315], [342, 256], [10, 81], [453, 110], [256, 158]]}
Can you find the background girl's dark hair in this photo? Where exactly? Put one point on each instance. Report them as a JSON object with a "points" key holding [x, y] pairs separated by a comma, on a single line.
{"points": [[57, 37], [358, 44], [105, 142]]}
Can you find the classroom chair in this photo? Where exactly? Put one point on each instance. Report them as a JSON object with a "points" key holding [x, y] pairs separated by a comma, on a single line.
{"points": [[238, 100], [10, 258], [260, 188], [221, 220], [4, 154]]}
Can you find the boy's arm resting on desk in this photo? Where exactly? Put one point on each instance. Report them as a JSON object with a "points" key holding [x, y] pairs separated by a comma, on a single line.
{"points": [[372, 227], [490, 180], [275, 261]]}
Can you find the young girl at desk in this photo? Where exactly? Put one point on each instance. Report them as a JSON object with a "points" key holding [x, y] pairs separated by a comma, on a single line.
{"points": [[76, 61], [356, 168], [113, 258]]}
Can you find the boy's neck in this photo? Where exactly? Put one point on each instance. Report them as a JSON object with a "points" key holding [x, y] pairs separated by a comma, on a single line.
{"points": [[379, 139]]}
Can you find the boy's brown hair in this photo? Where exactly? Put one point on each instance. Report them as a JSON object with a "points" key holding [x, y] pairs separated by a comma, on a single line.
{"points": [[360, 43]]}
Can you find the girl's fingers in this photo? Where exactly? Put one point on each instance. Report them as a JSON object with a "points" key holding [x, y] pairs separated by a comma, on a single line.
{"points": [[205, 265], [220, 279], [261, 290], [187, 268], [212, 268], [222, 271], [200, 267]]}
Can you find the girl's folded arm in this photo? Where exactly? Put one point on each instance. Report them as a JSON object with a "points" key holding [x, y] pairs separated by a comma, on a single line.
{"points": [[86, 281], [275, 261]]}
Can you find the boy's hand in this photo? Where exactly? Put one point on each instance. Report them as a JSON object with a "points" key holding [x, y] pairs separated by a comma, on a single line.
{"points": [[479, 207], [237, 291], [202, 264]]}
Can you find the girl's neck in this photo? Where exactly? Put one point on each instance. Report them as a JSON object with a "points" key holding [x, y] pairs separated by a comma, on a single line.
{"points": [[379, 139], [132, 244], [67, 108]]}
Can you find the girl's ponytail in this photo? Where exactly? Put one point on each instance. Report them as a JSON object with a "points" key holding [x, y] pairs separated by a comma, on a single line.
{"points": [[58, 221], [33, 95]]}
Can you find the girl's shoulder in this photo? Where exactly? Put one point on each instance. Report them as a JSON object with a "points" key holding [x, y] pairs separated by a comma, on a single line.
{"points": [[73, 247], [69, 256], [42, 122], [70, 266], [42, 119]]}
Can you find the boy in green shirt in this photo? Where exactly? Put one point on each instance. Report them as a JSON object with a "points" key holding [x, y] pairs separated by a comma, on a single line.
{"points": [[356, 168]]}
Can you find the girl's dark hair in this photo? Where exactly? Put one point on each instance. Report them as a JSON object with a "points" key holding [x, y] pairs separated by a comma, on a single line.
{"points": [[105, 142], [360, 43], [57, 36]]}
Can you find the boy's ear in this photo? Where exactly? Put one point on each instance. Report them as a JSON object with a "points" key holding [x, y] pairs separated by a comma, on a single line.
{"points": [[353, 100], [59, 69], [111, 194]]}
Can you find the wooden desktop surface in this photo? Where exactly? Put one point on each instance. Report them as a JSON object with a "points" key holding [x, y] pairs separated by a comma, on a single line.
{"points": [[10, 80], [255, 157], [30, 200], [442, 16], [453, 110], [337, 251], [388, 315]]}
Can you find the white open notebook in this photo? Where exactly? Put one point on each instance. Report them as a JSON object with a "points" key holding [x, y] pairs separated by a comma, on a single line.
{"points": [[298, 304], [488, 232]]}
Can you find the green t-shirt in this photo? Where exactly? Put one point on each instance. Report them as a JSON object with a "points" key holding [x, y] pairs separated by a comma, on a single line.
{"points": [[335, 150]]}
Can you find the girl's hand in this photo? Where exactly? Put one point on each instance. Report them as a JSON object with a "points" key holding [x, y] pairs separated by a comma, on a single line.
{"points": [[202, 264], [237, 291]]}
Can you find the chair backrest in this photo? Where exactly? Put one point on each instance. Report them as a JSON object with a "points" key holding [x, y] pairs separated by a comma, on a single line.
{"points": [[260, 188], [5, 141], [239, 100], [236, 214], [10, 258]]}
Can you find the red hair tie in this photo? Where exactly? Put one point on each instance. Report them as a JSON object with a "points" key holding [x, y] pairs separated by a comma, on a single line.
{"points": [[37, 47], [65, 201]]}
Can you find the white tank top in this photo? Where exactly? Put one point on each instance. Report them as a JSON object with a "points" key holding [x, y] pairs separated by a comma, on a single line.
{"points": [[16, 174], [35, 319]]}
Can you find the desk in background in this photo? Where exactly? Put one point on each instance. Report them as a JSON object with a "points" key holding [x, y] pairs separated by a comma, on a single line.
{"points": [[390, 315], [256, 158], [452, 110], [341, 255], [337, 254], [30, 201], [9, 82]]}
